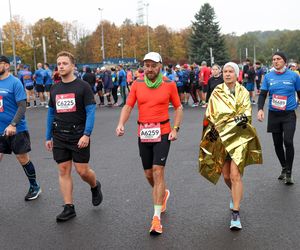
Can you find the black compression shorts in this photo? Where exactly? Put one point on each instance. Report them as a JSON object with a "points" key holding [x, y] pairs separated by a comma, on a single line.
{"points": [[154, 153]]}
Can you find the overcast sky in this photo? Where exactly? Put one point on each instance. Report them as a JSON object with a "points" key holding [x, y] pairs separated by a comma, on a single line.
{"points": [[237, 16]]}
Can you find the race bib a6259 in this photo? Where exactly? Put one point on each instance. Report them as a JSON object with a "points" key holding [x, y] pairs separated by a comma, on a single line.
{"points": [[150, 132], [65, 103], [279, 102], [1, 104]]}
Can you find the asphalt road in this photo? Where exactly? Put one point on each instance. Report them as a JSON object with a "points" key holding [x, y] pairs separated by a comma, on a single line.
{"points": [[198, 213]]}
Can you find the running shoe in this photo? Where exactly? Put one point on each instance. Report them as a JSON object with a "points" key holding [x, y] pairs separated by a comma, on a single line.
{"points": [[282, 175], [97, 196], [33, 193], [67, 213], [164, 205], [156, 227], [288, 180], [235, 223], [231, 204]]}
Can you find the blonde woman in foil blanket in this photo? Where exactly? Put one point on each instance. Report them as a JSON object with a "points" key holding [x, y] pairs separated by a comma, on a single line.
{"points": [[229, 142]]}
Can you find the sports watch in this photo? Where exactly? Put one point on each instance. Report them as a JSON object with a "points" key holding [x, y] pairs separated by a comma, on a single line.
{"points": [[176, 128]]}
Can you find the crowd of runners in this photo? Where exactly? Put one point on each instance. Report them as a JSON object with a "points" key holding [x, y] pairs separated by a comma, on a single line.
{"points": [[228, 144]]}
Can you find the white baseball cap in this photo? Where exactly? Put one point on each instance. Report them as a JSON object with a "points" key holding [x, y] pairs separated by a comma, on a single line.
{"points": [[103, 68], [153, 56], [177, 66]]}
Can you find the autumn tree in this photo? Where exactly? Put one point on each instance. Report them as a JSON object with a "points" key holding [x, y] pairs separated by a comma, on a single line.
{"points": [[56, 39], [206, 35], [21, 38]]}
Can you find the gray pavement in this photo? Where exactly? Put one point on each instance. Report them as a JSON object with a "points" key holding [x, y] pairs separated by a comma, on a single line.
{"points": [[198, 212]]}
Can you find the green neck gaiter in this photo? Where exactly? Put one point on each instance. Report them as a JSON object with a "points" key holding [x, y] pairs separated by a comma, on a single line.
{"points": [[156, 84]]}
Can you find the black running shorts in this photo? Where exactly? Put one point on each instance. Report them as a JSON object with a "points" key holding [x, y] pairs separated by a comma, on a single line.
{"points": [[65, 148], [18, 143], [154, 153], [39, 88], [29, 88], [180, 89], [48, 87], [278, 121]]}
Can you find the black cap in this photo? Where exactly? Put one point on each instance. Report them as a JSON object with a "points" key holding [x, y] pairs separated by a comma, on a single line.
{"points": [[4, 59], [281, 54]]}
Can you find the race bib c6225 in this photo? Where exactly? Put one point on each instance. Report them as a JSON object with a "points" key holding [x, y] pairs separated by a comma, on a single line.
{"points": [[279, 102], [150, 132], [65, 103]]}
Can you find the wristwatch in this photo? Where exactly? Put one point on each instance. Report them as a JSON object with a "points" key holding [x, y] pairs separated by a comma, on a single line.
{"points": [[13, 124], [176, 128]]}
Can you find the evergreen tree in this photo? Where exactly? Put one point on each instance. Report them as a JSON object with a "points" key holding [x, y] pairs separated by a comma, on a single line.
{"points": [[206, 35]]}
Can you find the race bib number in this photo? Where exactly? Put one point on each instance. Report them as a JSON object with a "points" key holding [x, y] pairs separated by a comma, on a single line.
{"points": [[150, 132], [65, 103], [279, 102], [1, 104]]}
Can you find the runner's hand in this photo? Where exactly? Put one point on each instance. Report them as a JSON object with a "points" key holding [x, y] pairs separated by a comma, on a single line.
{"points": [[260, 115], [49, 145], [213, 134], [10, 130], [83, 141], [173, 135], [241, 120], [120, 130]]}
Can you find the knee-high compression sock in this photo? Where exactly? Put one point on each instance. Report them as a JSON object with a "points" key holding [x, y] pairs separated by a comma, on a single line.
{"points": [[30, 173]]}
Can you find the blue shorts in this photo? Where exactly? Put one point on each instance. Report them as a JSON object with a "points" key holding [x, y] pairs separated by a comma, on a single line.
{"points": [[250, 86]]}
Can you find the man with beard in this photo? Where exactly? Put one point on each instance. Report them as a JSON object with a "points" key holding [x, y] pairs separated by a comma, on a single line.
{"points": [[153, 95], [14, 136], [70, 123]]}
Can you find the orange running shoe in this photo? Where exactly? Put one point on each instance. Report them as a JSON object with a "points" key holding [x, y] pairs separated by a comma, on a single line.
{"points": [[164, 205], [156, 227]]}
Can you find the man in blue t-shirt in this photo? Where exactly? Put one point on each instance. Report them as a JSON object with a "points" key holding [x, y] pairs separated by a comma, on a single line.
{"points": [[281, 84], [48, 82], [122, 83], [26, 78], [14, 136], [39, 77]]}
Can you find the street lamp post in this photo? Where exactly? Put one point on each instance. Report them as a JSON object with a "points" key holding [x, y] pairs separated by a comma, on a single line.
{"points": [[148, 34], [1, 42], [13, 40], [44, 48], [102, 34], [121, 46], [254, 54], [211, 56]]}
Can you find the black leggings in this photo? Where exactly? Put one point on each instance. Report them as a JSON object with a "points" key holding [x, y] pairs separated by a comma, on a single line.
{"points": [[115, 93], [286, 137]]}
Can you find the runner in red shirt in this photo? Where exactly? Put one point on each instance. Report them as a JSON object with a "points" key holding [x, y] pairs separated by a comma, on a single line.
{"points": [[153, 95], [203, 78]]}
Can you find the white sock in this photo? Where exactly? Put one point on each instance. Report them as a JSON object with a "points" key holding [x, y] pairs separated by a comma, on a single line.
{"points": [[157, 210]]}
